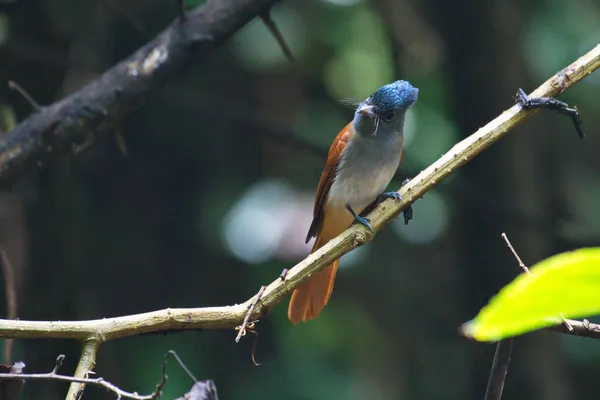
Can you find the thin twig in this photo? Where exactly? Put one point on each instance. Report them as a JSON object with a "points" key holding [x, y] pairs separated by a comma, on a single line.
{"points": [[272, 27], [10, 287], [499, 370], [567, 323], [242, 328], [515, 254], [184, 367], [17, 88], [55, 376]]}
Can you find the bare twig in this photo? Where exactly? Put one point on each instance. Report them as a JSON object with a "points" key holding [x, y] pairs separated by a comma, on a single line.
{"points": [[10, 287], [83, 380], [515, 254], [272, 27], [184, 367], [499, 370], [55, 376], [85, 366], [355, 236], [242, 328], [17, 88], [526, 270]]}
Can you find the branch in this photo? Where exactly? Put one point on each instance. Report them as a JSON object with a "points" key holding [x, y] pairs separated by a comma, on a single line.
{"points": [[355, 236], [86, 364], [499, 370], [65, 126]]}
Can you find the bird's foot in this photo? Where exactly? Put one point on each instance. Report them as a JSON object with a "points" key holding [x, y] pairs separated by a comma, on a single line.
{"points": [[551, 103], [389, 195], [408, 212], [361, 220]]}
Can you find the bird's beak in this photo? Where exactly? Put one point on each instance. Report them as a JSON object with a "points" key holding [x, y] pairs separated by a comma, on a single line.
{"points": [[366, 110]]}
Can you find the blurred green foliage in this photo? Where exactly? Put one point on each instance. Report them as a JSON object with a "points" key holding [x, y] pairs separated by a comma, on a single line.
{"points": [[103, 235]]}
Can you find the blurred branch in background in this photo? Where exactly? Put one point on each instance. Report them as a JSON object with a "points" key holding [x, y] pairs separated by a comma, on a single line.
{"points": [[73, 123], [232, 316]]}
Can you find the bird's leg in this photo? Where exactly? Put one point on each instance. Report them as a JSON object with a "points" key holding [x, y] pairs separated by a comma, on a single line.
{"points": [[553, 104], [361, 220], [408, 212]]}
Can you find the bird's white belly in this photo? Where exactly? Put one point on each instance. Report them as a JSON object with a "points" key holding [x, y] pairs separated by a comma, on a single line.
{"points": [[359, 185]]}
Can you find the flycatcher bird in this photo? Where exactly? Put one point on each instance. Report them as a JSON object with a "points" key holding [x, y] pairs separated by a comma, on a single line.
{"points": [[361, 163]]}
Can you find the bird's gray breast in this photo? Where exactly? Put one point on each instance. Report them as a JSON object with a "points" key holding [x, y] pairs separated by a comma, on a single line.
{"points": [[364, 171]]}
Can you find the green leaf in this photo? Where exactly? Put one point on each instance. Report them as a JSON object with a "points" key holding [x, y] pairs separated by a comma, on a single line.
{"points": [[567, 284]]}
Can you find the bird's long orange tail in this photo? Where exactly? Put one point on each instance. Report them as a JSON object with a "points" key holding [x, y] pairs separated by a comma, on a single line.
{"points": [[308, 300]]}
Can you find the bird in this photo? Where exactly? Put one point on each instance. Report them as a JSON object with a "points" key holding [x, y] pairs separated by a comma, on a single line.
{"points": [[360, 164]]}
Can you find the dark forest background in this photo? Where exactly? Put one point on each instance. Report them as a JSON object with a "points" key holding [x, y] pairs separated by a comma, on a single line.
{"points": [[214, 197]]}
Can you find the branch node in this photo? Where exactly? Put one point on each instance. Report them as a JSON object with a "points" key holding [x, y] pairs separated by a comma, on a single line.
{"points": [[242, 328], [58, 364]]}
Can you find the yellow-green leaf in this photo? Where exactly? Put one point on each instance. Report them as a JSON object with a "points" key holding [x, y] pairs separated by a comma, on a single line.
{"points": [[567, 284]]}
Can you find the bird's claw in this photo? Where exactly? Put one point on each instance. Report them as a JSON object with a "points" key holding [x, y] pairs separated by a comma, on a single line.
{"points": [[551, 103], [361, 220], [389, 195], [364, 221]]}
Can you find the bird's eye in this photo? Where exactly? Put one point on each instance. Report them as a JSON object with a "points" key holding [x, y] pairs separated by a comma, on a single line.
{"points": [[387, 117]]}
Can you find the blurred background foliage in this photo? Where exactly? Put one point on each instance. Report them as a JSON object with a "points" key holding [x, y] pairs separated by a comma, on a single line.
{"points": [[214, 197]]}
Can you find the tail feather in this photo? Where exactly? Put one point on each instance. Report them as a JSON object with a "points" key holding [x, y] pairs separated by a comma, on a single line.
{"points": [[308, 300]]}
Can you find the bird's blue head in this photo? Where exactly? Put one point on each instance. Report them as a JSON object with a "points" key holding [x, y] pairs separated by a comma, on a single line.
{"points": [[383, 112]]}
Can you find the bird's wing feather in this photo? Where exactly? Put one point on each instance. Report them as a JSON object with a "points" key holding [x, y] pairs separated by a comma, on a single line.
{"points": [[327, 177]]}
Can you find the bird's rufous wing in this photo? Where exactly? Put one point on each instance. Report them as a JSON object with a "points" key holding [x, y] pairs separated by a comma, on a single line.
{"points": [[327, 177]]}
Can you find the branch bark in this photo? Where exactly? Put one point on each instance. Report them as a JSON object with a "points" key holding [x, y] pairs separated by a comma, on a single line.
{"points": [[72, 123], [499, 370], [232, 316], [87, 362]]}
